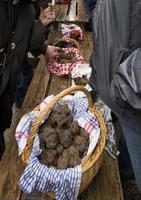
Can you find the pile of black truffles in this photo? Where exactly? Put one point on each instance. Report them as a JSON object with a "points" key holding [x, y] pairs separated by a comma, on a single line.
{"points": [[64, 58], [62, 141]]}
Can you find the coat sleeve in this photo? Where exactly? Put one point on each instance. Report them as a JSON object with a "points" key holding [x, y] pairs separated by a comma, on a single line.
{"points": [[39, 35]]}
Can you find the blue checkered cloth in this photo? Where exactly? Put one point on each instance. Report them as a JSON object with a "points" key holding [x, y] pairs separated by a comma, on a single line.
{"points": [[38, 177]]}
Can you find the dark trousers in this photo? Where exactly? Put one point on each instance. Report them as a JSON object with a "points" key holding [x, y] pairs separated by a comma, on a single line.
{"points": [[133, 142], [23, 82], [6, 102]]}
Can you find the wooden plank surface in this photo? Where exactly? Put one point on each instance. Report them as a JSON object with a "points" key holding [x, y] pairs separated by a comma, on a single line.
{"points": [[11, 166], [73, 12], [106, 185], [61, 12], [86, 46], [81, 15]]}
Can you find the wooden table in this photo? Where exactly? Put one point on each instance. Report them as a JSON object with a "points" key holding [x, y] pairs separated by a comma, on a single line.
{"points": [[106, 185], [73, 12]]}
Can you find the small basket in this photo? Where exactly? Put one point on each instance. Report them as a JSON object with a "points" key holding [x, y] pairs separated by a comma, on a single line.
{"points": [[61, 69], [91, 166]]}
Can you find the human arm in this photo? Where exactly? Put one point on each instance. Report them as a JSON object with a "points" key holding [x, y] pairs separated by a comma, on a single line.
{"points": [[40, 31]]}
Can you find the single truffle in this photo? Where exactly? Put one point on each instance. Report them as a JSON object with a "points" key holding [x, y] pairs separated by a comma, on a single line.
{"points": [[51, 156], [63, 109], [65, 137], [52, 141], [72, 155], [74, 161], [64, 121], [65, 154], [74, 128], [62, 163], [59, 120], [53, 119], [72, 151], [59, 149], [79, 143], [48, 131]]}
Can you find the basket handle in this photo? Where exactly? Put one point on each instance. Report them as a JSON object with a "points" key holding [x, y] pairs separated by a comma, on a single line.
{"points": [[28, 149]]}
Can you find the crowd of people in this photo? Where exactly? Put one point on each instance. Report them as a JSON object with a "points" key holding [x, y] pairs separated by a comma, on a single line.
{"points": [[115, 63]]}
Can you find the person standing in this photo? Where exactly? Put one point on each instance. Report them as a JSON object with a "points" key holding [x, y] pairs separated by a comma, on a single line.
{"points": [[116, 69], [17, 36], [41, 32]]}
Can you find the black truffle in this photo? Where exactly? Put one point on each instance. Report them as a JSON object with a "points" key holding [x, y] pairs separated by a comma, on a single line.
{"points": [[52, 141], [62, 162], [79, 143], [74, 128], [65, 137]]}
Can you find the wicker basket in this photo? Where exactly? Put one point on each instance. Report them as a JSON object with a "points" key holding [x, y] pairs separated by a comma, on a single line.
{"points": [[92, 165]]}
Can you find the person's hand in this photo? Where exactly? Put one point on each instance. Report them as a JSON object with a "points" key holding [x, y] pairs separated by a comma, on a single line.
{"points": [[52, 51], [47, 16]]}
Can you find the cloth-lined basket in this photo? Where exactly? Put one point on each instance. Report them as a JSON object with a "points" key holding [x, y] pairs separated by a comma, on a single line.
{"points": [[91, 166], [60, 69]]}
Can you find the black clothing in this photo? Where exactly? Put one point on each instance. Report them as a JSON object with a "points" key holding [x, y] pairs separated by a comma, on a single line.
{"points": [[15, 57], [29, 36], [7, 20], [24, 80], [21, 40], [25, 39], [39, 33], [6, 102]]}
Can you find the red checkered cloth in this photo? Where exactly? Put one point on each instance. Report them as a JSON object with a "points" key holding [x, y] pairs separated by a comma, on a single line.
{"points": [[59, 69], [72, 30]]}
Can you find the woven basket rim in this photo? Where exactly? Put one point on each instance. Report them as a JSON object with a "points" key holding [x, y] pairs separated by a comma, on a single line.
{"points": [[101, 143]]}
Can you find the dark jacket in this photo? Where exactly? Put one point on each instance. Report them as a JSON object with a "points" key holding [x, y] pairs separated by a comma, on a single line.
{"points": [[117, 33], [29, 36]]}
